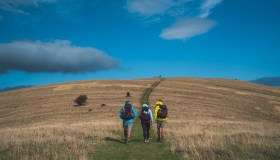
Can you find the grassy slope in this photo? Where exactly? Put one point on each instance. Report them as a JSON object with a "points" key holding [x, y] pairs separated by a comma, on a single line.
{"points": [[116, 149], [42, 122], [209, 119], [221, 118]]}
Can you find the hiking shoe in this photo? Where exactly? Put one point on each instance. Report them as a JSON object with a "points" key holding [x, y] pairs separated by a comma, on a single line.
{"points": [[147, 140], [126, 141]]}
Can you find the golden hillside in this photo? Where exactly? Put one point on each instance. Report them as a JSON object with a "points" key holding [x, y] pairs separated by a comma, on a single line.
{"points": [[221, 119], [46, 117], [55, 103], [206, 117]]}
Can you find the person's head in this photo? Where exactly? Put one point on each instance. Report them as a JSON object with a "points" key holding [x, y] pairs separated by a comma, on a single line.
{"points": [[145, 106], [127, 103], [159, 102]]}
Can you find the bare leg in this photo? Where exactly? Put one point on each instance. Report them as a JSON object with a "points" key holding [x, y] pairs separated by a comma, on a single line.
{"points": [[162, 133], [158, 133], [125, 133], [128, 137], [128, 134]]}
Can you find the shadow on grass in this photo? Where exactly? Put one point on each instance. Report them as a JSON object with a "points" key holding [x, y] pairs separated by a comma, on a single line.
{"points": [[136, 140], [120, 141], [113, 140]]}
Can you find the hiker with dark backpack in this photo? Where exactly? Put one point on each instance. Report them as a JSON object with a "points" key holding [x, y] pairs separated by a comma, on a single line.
{"points": [[161, 113], [146, 117], [159, 103], [127, 114]]}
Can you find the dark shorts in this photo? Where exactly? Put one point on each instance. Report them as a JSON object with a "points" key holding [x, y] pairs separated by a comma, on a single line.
{"points": [[127, 126], [161, 124]]}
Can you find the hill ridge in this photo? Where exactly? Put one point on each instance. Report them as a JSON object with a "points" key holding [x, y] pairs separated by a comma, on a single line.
{"points": [[209, 119]]}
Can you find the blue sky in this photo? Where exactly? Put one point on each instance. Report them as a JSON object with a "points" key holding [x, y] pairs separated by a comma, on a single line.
{"points": [[51, 41]]}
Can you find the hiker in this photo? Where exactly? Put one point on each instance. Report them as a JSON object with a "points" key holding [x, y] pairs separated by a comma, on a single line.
{"points": [[127, 114], [146, 117], [161, 113], [159, 103]]}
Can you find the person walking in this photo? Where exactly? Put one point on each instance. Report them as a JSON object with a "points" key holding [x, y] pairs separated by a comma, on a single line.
{"points": [[127, 114], [146, 117], [160, 114], [159, 103]]}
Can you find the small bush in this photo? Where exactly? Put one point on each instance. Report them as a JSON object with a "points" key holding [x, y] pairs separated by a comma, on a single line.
{"points": [[127, 94], [81, 100]]}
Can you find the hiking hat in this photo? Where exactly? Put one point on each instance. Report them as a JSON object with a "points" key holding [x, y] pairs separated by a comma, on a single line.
{"points": [[159, 102], [127, 102], [145, 105]]}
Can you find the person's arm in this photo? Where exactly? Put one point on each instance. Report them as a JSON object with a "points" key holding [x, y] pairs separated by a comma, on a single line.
{"points": [[151, 115], [134, 113], [156, 110], [121, 113]]}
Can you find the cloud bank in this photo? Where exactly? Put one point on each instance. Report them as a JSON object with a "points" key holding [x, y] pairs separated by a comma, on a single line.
{"points": [[187, 28], [56, 56]]}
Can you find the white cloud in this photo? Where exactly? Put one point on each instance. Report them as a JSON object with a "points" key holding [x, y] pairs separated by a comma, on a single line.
{"points": [[56, 56], [207, 6], [156, 7], [14, 5], [147, 7], [27, 2], [186, 28], [4, 5]]}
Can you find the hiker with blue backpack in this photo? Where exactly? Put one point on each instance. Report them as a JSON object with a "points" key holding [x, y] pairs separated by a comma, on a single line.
{"points": [[161, 113], [146, 117], [127, 114]]}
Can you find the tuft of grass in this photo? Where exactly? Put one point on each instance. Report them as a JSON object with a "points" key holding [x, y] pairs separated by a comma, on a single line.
{"points": [[210, 141]]}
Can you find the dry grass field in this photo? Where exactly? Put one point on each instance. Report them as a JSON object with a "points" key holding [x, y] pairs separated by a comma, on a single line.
{"points": [[221, 119], [209, 118], [43, 122]]}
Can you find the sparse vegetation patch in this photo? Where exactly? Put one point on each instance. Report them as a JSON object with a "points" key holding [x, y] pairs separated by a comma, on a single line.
{"points": [[81, 100]]}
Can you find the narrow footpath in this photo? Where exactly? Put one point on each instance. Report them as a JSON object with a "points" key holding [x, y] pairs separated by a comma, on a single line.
{"points": [[115, 149]]}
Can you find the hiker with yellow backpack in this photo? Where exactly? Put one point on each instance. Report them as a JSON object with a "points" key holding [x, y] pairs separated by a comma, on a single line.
{"points": [[161, 113]]}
